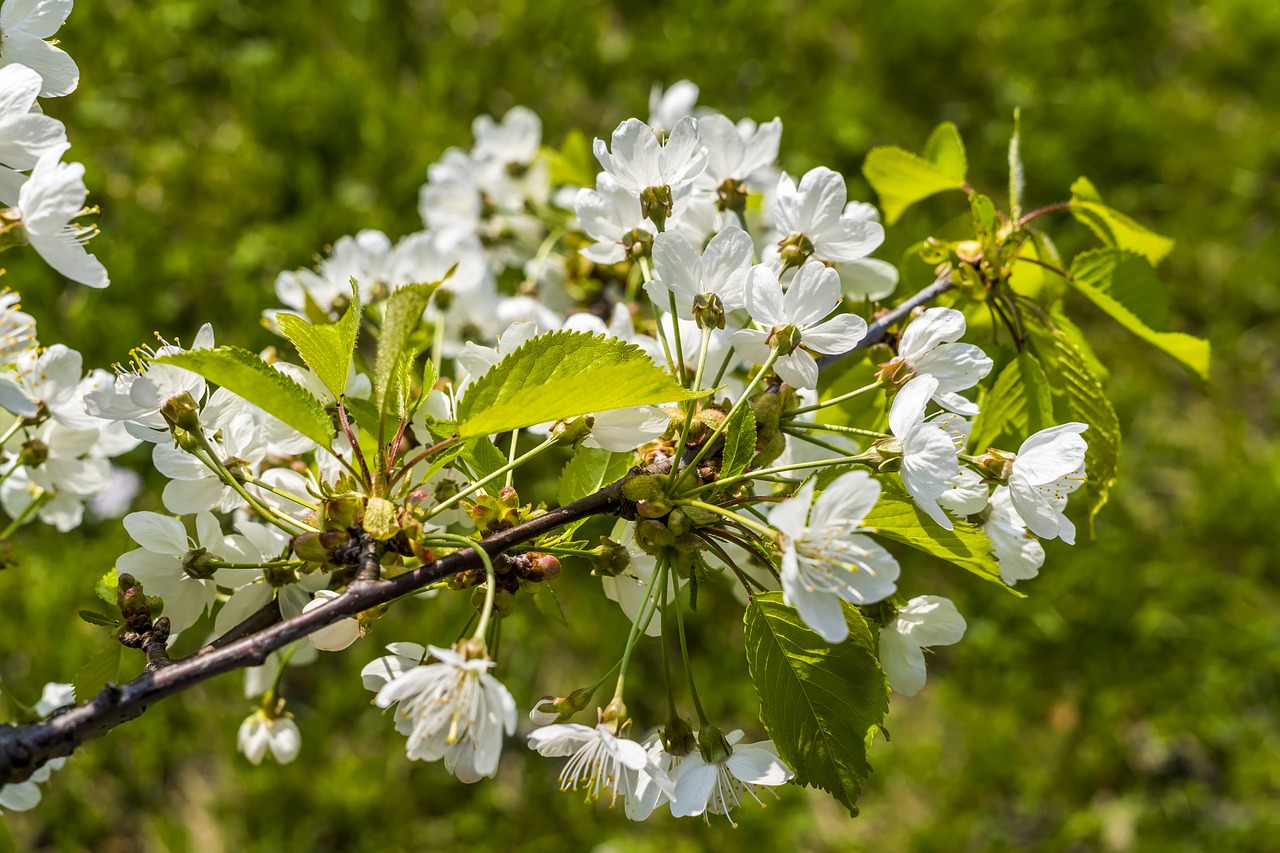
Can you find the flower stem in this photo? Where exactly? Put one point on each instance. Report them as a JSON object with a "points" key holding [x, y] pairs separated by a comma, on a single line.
{"points": [[641, 622], [684, 653], [711, 439], [843, 430], [834, 400], [25, 516], [491, 580], [289, 496], [763, 530], [481, 483], [780, 469]]}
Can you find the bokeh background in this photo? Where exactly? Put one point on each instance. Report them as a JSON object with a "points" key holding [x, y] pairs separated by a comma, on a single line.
{"points": [[1130, 703]]}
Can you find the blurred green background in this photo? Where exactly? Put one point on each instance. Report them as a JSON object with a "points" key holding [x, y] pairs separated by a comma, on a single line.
{"points": [[1129, 703]]}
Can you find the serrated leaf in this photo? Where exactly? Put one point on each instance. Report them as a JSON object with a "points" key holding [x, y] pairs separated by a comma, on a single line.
{"points": [[588, 470], [1079, 396], [901, 179], [984, 216], [482, 456], [739, 443], [1113, 227], [896, 517], [1125, 287], [107, 586], [93, 617], [97, 671], [364, 412], [548, 605], [818, 701], [401, 315], [563, 375], [326, 348], [248, 376], [1018, 404], [945, 149]]}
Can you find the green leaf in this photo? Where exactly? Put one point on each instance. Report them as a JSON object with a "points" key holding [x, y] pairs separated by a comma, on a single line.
{"points": [[400, 318], [1125, 287], [573, 163], [945, 149], [588, 470], [563, 375], [1113, 227], [896, 517], [984, 216], [1079, 396], [326, 348], [739, 443], [901, 178], [97, 671], [93, 617], [248, 376], [482, 456], [1017, 180], [1018, 404], [819, 702], [548, 605], [364, 412], [107, 586]]}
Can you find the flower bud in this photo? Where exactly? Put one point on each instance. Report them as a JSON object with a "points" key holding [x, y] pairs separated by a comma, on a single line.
{"points": [[33, 453], [644, 487], [573, 432], [318, 547], [613, 559], [969, 251], [996, 465], [541, 567], [654, 537], [340, 513], [550, 710]]}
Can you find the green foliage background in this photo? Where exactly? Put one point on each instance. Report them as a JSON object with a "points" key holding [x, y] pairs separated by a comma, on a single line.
{"points": [[1129, 703]]}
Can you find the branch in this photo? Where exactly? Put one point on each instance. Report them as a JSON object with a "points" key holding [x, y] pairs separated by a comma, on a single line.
{"points": [[23, 749]]}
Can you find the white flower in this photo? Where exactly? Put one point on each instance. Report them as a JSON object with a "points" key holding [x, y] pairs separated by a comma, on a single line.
{"points": [[719, 785], [667, 108], [455, 710], [49, 377], [611, 215], [721, 269], [599, 761], [25, 134], [339, 635], [260, 734], [637, 160], [1019, 554], [814, 293], [17, 328], [1049, 466], [828, 558], [928, 450], [366, 257], [450, 202], [25, 24], [816, 211], [623, 430], [161, 564], [506, 157], [628, 587], [52, 197], [652, 784], [929, 346], [966, 493], [927, 620], [737, 152]]}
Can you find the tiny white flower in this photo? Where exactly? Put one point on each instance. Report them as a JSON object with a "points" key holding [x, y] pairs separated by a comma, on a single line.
{"points": [[261, 734], [1049, 466], [929, 345], [927, 620], [815, 211], [1019, 554], [339, 635], [737, 152], [719, 785], [827, 557], [453, 709], [48, 202], [637, 160], [722, 270], [813, 294], [600, 761], [928, 449], [25, 25]]}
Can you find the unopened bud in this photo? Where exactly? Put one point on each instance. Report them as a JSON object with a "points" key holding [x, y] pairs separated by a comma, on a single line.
{"points": [[340, 513], [996, 465], [541, 567], [969, 251], [380, 519], [319, 547], [573, 432], [644, 487], [654, 537], [182, 412], [613, 559], [551, 710]]}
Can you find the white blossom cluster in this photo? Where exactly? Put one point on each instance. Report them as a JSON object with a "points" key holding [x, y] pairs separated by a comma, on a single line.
{"points": [[690, 244]]}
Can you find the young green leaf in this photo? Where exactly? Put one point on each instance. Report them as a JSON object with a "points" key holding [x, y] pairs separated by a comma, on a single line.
{"points": [[897, 517], [1125, 287], [93, 617], [589, 470], [326, 348], [97, 671], [901, 178], [1078, 396], [563, 375], [1113, 227], [248, 376], [1018, 404], [818, 701], [400, 318], [739, 443], [1017, 180]]}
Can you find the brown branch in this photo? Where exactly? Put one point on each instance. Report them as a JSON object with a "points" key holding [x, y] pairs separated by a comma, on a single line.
{"points": [[23, 749]]}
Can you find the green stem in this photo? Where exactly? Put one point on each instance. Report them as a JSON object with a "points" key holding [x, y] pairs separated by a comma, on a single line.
{"points": [[482, 482], [666, 663], [684, 653], [289, 496], [491, 581], [691, 410], [641, 623], [711, 439], [25, 516], [269, 698], [834, 400], [12, 431], [763, 530], [779, 469], [724, 366], [800, 435], [843, 430], [278, 564], [675, 325], [511, 456]]}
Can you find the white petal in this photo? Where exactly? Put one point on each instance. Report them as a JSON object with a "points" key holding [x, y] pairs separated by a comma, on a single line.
{"points": [[160, 534]]}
